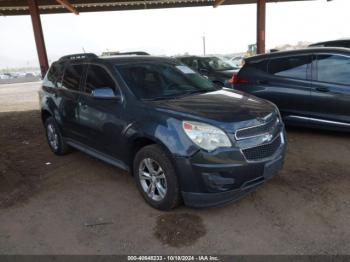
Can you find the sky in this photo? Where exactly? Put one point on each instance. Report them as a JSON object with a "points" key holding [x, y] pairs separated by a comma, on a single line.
{"points": [[228, 29]]}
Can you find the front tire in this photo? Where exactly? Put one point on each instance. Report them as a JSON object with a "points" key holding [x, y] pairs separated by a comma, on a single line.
{"points": [[54, 138], [156, 178]]}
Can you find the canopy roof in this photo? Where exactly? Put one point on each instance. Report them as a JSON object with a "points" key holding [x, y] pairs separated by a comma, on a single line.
{"points": [[20, 7]]}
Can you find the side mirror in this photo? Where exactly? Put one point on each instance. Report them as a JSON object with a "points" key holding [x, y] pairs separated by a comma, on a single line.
{"points": [[105, 93]]}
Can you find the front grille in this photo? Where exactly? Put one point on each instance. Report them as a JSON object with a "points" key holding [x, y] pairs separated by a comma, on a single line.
{"points": [[257, 130], [263, 151]]}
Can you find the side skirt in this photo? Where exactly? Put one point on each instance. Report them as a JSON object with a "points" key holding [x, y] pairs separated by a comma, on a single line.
{"points": [[97, 154], [318, 121]]}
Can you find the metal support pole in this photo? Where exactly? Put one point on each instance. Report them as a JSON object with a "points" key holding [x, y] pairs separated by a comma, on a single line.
{"points": [[204, 51], [39, 36], [261, 25]]}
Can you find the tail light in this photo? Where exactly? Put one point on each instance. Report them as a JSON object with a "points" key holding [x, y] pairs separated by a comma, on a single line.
{"points": [[237, 80]]}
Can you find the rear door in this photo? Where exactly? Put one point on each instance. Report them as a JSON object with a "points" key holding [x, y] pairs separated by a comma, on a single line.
{"points": [[68, 104], [286, 81], [331, 88], [50, 93], [100, 118]]}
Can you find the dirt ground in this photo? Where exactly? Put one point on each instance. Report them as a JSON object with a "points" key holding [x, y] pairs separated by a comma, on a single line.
{"points": [[79, 205]]}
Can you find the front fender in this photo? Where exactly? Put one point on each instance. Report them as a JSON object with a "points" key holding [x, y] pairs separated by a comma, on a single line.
{"points": [[167, 133]]}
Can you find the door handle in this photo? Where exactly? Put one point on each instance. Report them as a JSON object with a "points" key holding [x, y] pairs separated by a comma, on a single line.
{"points": [[262, 82], [322, 89]]}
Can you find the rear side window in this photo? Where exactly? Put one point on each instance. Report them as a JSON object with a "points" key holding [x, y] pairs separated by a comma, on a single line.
{"points": [[293, 67], [333, 69], [72, 77], [97, 78], [54, 76]]}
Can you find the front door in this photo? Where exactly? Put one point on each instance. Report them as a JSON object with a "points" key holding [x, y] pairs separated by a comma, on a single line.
{"points": [[331, 88], [101, 118], [288, 84]]}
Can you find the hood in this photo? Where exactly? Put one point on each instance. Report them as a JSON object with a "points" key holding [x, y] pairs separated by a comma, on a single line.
{"points": [[225, 107]]}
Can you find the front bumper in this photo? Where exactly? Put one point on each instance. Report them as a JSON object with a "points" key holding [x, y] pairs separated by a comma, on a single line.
{"points": [[214, 179], [195, 199]]}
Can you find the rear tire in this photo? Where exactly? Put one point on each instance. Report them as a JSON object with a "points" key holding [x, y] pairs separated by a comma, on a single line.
{"points": [[156, 178], [54, 137]]}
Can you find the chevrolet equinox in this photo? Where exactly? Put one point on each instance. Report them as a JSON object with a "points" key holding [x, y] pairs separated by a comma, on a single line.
{"points": [[182, 137]]}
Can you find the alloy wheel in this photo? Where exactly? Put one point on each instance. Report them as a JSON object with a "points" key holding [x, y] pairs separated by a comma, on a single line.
{"points": [[152, 179], [52, 136]]}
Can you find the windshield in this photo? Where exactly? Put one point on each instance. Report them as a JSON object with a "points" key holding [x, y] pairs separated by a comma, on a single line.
{"points": [[217, 64], [151, 81]]}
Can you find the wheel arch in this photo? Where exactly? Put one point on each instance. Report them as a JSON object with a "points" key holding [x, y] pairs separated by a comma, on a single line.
{"points": [[140, 142], [45, 114]]}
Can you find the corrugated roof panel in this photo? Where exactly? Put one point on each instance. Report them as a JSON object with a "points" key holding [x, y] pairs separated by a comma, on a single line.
{"points": [[20, 7]]}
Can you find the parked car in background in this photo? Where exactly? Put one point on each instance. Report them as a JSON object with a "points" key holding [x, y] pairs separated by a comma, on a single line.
{"points": [[310, 86], [334, 43], [214, 68], [236, 61], [181, 136], [5, 76], [29, 75]]}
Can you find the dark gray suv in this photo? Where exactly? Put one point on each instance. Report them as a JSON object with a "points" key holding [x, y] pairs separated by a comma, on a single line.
{"points": [[182, 137]]}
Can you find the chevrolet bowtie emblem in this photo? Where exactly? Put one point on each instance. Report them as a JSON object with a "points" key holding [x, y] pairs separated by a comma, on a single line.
{"points": [[267, 138]]}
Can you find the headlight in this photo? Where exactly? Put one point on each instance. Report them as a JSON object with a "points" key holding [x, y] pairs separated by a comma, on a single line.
{"points": [[206, 136]]}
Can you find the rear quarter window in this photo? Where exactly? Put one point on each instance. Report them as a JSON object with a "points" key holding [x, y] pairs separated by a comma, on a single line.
{"points": [[54, 77], [292, 67]]}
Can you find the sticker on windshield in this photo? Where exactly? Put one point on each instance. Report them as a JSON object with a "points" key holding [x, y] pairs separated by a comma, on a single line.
{"points": [[185, 69]]}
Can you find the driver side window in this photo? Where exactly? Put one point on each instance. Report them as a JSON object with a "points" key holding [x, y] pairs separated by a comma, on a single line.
{"points": [[333, 69], [98, 78]]}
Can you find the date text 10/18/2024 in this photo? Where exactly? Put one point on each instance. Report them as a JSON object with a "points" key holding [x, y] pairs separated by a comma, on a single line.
{"points": [[173, 258]]}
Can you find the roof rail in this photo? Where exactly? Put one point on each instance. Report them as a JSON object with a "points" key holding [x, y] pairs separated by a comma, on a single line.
{"points": [[78, 56], [124, 53], [135, 53]]}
